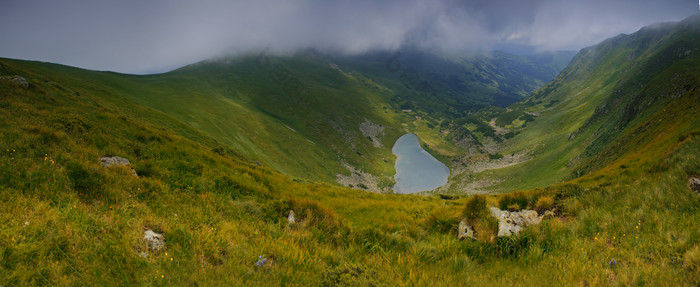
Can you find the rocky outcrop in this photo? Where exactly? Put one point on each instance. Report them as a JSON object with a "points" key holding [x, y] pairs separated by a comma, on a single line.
{"points": [[359, 179], [373, 132], [155, 241], [291, 219], [109, 161], [694, 184], [18, 80], [464, 230], [512, 222]]}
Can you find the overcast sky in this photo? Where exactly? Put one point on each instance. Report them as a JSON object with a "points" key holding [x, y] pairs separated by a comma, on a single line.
{"points": [[144, 36]]}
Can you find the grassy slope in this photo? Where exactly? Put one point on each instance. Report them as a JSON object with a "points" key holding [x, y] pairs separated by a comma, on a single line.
{"points": [[248, 106], [67, 221], [614, 98]]}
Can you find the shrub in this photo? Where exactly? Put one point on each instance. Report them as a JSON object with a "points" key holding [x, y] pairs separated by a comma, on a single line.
{"points": [[349, 275], [314, 214], [441, 221], [513, 202], [479, 218], [475, 208], [544, 203], [569, 190], [691, 260], [495, 156]]}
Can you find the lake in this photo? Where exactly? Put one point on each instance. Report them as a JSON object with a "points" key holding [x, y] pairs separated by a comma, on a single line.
{"points": [[416, 169]]}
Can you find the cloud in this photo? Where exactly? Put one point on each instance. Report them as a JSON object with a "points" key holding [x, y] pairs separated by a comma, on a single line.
{"points": [[157, 35]]}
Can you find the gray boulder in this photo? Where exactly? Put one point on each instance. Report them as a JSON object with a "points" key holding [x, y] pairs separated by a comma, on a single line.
{"points": [[694, 184], [155, 241], [464, 230], [18, 80], [109, 161], [290, 218], [510, 223]]}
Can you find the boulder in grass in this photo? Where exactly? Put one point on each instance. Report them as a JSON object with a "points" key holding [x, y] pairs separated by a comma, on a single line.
{"points": [[155, 241], [291, 219], [109, 161], [512, 222], [694, 184], [17, 80], [464, 230]]}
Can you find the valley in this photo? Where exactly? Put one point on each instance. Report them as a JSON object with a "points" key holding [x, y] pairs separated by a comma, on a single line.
{"points": [[288, 158]]}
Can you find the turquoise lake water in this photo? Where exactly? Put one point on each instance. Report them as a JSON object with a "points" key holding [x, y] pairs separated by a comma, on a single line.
{"points": [[416, 169]]}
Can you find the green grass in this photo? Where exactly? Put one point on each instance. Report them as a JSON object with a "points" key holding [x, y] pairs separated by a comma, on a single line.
{"points": [[66, 220]]}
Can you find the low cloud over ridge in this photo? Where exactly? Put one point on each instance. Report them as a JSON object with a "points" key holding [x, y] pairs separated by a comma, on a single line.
{"points": [[157, 35]]}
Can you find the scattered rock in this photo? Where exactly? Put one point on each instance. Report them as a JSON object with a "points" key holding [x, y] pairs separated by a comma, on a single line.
{"points": [[360, 180], [374, 132], [156, 241], [694, 184], [108, 161], [290, 218], [464, 230], [18, 80], [510, 223]]}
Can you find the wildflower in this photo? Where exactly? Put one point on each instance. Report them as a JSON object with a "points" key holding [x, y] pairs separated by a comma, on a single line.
{"points": [[261, 261], [612, 262], [26, 223]]}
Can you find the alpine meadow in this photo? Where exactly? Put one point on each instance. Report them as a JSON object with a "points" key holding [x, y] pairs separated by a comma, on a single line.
{"points": [[276, 169]]}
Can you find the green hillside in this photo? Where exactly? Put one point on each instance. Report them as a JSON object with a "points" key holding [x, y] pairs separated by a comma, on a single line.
{"points": [[619, 103], [223, 150], [265, 111], [451, 86]]}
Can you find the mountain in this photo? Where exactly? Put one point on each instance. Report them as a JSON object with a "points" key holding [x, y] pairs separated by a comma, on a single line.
{"points": [[617, 103], [302, 115], [454, 86], [606, 153]]}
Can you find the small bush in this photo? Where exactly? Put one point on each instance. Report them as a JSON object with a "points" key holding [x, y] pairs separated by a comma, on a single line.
{"points": [[441, 221], [569, 190], [479, 218], [475, 208], [495, 156], [544, 203], [691, 258], [513, 202], [315, 215], [277, 209], [349, 275]]}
